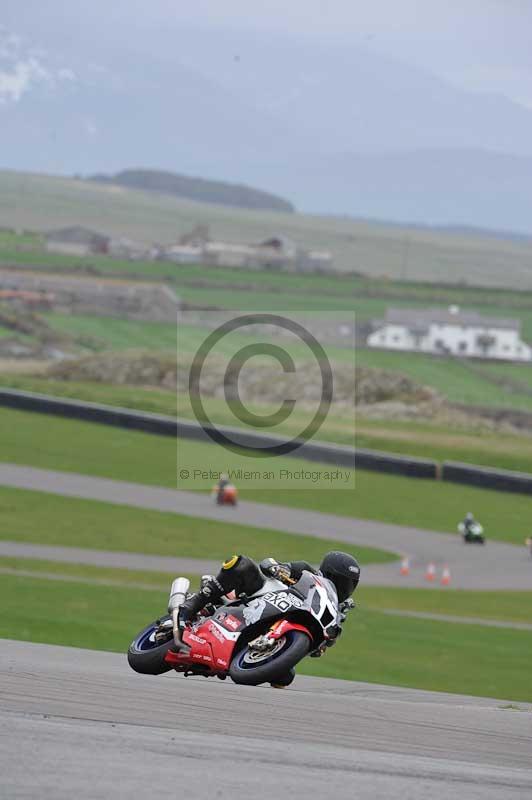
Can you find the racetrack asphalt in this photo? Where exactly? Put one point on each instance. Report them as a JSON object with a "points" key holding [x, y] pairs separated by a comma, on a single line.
{"points": [[495, 566], [80, 723]]}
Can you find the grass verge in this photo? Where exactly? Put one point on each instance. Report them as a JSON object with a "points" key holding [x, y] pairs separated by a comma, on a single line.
{"points": [[72, 446], [473, 445], [501, 606], [375, 648], [49, 519]]}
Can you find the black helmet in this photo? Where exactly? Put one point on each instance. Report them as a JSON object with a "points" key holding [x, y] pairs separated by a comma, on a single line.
{"points": [[343, 570]]}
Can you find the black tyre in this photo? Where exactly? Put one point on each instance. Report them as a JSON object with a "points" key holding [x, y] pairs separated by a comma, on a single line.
{"points": [[282, 681], [251, 670], [145, 655]]}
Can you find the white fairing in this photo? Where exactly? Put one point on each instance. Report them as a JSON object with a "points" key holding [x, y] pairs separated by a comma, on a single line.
{"points": [[270, 585], [328, 597], [475, 530]]}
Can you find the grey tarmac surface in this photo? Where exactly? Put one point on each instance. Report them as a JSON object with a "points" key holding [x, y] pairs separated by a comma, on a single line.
{"points": [[79, 723], [495, 566]]}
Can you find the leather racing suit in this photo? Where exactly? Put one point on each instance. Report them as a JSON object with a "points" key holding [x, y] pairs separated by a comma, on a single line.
{"points": [[242, 576]]}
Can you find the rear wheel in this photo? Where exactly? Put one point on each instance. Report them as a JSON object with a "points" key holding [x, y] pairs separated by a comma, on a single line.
{"points": [[147, 650], [252, 667]]}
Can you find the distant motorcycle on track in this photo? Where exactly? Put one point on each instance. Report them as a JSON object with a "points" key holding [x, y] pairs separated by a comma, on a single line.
{"points": [[226, 496], [472, 534]]}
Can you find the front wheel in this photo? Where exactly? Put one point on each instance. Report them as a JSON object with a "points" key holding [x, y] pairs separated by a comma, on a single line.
{"points": [[148, 649], [251, 668]]}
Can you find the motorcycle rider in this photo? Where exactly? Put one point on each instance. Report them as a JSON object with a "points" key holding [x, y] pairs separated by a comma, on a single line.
{"points": [[220, 487], [468, 525], [241, 575]]}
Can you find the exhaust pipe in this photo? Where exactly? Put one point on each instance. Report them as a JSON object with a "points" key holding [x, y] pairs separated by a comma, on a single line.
{"points": [[178, 594]]}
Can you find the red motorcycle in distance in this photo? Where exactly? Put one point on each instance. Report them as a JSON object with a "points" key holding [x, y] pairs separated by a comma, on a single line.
{"points": [[253, 640], [228, 496]]}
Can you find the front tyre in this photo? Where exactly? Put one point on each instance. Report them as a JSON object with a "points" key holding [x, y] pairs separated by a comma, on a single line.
{"points": [[147, 650], [251, 668]]}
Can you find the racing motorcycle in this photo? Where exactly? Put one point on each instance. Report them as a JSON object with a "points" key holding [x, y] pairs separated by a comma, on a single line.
{"points": [[472, 534], [253, 640], [227, 497]]}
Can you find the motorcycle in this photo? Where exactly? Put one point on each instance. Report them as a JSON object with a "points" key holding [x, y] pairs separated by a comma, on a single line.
{"points": [[228, 496], [472, 534], [253, 640]]}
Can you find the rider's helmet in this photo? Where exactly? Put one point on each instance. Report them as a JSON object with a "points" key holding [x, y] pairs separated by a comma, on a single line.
{"points": [[343, 570], [224, 476], [469, 516]]}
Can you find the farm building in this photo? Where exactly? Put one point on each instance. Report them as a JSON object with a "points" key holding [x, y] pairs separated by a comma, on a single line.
{"points": [[128, 249], [450, 332], [277, 253], [76, 241]]}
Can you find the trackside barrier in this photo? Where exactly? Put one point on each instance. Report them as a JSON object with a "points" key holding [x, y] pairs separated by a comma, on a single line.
{"points": [[487, 478], [339, 455], [89, 412]]}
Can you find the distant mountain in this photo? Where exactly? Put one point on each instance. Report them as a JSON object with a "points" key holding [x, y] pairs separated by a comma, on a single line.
{"points": [[197, 189], [449, 188], [335, 129]]}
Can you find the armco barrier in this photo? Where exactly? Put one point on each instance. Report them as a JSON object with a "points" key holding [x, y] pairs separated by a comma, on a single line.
{"points": [[340, 456], [89, 412], [487, 478]]}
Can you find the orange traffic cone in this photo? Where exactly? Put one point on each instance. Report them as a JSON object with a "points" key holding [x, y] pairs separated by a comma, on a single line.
{"points": [[405, 566], [430, 574], [446, 576]]}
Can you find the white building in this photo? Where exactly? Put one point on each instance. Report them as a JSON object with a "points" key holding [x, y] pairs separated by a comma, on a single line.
{"points": [[450, 332], [183, 254]]}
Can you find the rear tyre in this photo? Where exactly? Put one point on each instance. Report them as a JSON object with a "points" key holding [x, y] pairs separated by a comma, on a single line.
{"points": [[270, 669], [145, 655]]}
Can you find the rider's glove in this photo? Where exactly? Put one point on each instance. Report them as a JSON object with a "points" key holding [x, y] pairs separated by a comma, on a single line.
{"points": [[334, 633], [283, 573], [272, 568]]}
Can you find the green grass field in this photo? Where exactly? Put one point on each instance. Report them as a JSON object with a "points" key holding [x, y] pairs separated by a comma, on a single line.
{"points": [[459, 381], [424, 439], [500, 606], [41, 518], [374, 647], [492, 385], [503, 606], [40, 202], [53, 443], [117, 334], [455, 379]]}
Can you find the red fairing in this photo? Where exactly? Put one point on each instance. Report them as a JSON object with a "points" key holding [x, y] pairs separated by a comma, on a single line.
{"points": [[210, 645], [281, 628]]}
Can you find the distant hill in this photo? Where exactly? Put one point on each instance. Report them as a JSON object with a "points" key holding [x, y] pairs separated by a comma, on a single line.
{"points": [[44, 202], [198, 189]]}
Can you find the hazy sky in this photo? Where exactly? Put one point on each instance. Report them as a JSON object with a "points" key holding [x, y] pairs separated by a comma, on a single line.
{"points": [[485, 45]]}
